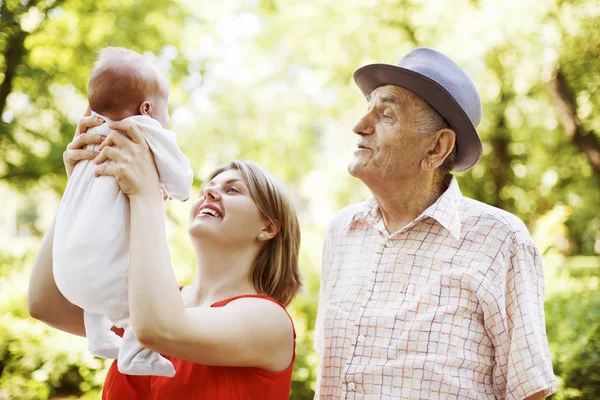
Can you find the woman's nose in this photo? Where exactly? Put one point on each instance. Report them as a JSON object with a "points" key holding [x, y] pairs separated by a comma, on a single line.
{"points": [[211, 193]]}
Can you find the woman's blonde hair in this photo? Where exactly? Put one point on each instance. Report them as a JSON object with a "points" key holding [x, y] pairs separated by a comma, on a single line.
{"points": [[275, 271]]}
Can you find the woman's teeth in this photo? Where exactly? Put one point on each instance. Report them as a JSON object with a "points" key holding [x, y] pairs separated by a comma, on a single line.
{"points": [[210, 211]]}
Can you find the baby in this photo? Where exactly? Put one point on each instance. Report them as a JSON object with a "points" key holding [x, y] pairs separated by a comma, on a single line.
{"points": [[91, 240]]}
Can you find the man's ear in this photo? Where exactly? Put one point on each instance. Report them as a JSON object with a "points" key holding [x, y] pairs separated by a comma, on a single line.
{"points": [[441, 146], [269, 230], [146, 108]]}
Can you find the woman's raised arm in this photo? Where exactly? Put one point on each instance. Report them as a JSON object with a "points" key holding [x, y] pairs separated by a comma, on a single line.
{"points": [[45, 302], [246, 333]]}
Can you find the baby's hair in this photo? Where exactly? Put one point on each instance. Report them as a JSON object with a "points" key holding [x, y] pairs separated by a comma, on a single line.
{"points": [[121, 81]]}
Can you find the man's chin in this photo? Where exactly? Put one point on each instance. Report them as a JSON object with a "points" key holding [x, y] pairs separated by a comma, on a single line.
{"points": [[356, 168]]}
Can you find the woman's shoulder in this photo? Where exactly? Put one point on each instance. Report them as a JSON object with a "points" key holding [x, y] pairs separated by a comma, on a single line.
{"points": [[254, 302], [262, 309], [257, 308], [268, 319]]}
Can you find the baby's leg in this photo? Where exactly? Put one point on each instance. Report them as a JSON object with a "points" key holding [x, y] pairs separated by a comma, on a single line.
{"points": [[137, 360], [102, 342]]}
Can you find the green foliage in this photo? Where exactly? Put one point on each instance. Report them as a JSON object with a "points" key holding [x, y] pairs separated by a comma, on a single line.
{"points": [[304, 313], [58, 43], [582, 373], [573, 328], [37, 362]]}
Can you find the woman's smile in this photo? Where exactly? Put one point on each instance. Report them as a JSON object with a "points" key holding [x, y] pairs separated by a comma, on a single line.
{"points": [[210, 211]]}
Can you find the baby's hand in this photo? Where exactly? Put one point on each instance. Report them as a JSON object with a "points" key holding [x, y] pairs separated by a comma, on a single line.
{"points": [[165, 197]]}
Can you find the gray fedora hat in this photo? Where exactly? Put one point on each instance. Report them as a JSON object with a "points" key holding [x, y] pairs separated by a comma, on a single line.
{"points": [[444, 85]]}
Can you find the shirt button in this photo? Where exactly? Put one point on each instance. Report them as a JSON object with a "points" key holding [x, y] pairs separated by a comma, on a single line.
{"points": [[351, 386], [361, 339], [388, 244], [376, 288]]}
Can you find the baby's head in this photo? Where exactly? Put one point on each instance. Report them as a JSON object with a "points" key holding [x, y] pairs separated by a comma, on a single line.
{"points": [[123, 83]]}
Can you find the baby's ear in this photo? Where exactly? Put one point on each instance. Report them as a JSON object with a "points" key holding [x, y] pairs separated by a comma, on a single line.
{"points": [[146, 108]]}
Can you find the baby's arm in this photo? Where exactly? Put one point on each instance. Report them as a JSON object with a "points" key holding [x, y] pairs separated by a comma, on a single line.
{"points": [[173, 167]]}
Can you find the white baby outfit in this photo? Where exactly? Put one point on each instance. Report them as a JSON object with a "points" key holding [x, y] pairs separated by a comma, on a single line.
{"points": [[91, 248]]}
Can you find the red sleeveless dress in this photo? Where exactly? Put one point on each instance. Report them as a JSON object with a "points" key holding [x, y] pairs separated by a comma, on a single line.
{"points": [[197, 381]]}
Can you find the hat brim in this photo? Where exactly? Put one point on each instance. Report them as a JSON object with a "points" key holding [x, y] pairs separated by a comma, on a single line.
{"points": [[468, 144]]}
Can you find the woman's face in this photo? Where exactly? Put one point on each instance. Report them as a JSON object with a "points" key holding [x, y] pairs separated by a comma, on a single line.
{"points": [[225, 211]]}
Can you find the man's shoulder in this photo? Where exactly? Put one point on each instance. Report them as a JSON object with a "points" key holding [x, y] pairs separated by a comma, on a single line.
{"points": [[350, 211], [477, 215], [345, 216]]}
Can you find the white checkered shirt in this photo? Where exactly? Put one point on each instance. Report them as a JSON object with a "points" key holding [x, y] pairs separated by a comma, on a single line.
{"points": [[450, 306]]}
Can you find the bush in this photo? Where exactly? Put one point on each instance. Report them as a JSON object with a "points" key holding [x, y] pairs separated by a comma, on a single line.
{"points": [[38, 362], [573, 328]]}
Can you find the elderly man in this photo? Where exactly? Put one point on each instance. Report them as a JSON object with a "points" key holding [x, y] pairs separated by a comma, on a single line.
{"points": [[426, 294]]}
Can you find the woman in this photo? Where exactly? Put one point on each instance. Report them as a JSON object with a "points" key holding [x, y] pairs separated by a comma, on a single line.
{"points": [[228, 334]]}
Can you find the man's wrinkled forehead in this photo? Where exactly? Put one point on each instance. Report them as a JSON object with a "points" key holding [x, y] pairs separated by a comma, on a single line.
{"points": [[393, 95], [387, 94]]}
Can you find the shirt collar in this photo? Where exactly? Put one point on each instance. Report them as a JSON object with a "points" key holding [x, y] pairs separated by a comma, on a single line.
{"points": [[368, 211], [444, 211]]}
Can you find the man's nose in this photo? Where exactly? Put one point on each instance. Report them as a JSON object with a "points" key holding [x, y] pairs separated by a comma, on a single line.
{"points": [[364, 126]]}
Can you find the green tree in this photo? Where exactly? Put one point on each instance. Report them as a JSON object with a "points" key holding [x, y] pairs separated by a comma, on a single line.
{"points": [[48, 49]]}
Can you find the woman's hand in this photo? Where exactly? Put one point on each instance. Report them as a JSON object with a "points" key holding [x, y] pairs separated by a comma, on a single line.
{"points": [[126, 156], [75, 151]]}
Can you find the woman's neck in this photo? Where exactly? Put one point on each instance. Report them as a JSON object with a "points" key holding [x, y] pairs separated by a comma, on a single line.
{"points": [[220, 275]]}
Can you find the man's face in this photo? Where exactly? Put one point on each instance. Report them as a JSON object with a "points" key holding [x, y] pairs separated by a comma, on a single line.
{"points": [[388, 144]]}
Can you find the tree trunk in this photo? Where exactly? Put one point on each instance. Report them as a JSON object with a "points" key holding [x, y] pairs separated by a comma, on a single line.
{"points": [[500, 159], [586, 141], [13, 56]]}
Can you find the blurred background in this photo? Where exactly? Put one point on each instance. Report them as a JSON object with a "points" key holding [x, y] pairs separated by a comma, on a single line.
{"points": [[271, 81]]}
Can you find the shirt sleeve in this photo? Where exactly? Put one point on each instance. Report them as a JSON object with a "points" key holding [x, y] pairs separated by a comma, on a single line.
{"points": [[523, 366]]}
